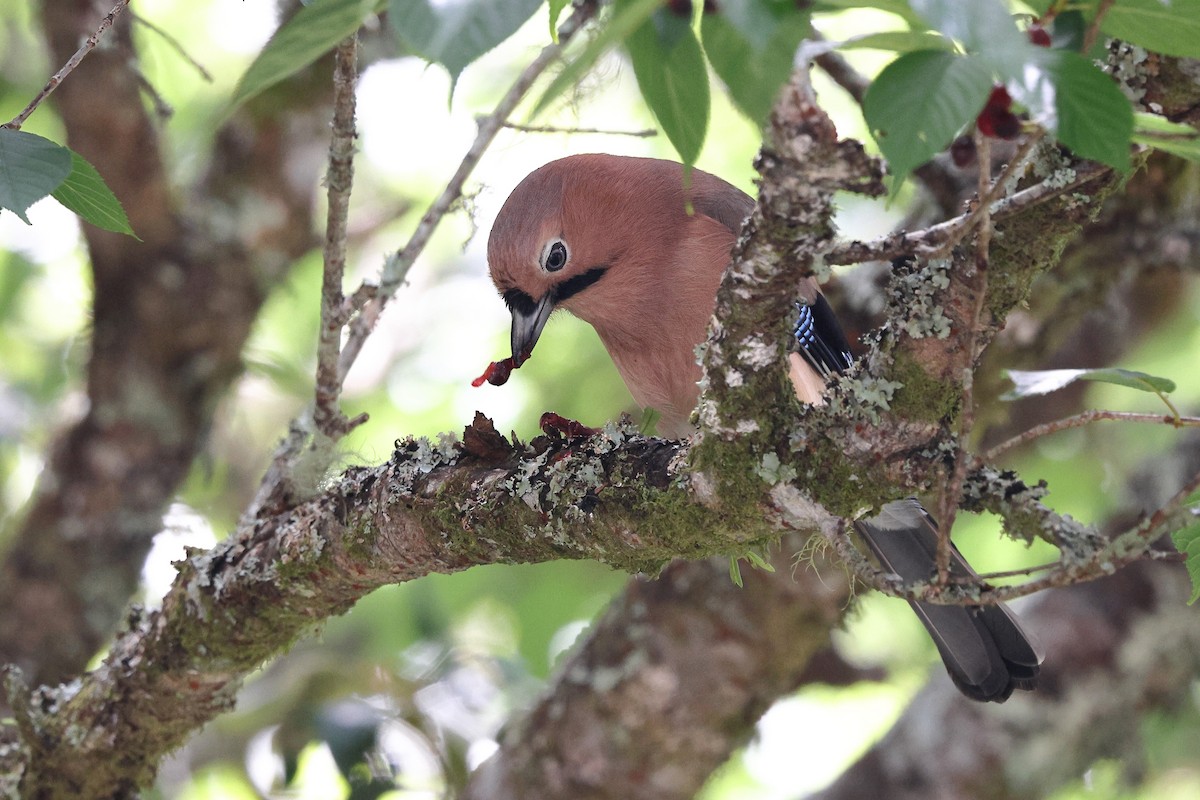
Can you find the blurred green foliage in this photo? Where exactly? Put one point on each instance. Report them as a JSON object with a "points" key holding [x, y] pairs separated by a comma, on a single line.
{"points": [[501, 627]]}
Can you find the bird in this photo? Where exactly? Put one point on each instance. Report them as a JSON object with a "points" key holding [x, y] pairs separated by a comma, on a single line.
{"points": [[636, 247]]}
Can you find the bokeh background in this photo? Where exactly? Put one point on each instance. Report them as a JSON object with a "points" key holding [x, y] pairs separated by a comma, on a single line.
{"points": [[435, 667]]}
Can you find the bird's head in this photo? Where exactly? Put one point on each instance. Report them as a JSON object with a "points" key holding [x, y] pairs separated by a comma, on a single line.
{"points": [[595, 234], [547, 250]]}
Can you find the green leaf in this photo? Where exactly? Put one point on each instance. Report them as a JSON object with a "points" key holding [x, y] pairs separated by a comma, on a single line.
{"points": [[897, 7], [456, 32], [673, 77], [556, 7], [314, 31], [1093, 118], [735, 572], [86, 193], [1170, 137], [753, 74], [1187, 541], [31, 167], [920, 101], [898, 41], [624, 20], [757, 20], [1030, 383], [981, 25], [759, 562], [1172, 28]]}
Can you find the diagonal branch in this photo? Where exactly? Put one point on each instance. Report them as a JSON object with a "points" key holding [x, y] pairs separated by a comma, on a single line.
{"points": [[429, 509]]}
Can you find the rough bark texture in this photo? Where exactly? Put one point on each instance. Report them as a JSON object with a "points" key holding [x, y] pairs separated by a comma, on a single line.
{"points": [[171, 315], [669, 683]]}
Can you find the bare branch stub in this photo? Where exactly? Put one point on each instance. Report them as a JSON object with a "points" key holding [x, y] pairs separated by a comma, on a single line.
{"points": [[339, 180]]}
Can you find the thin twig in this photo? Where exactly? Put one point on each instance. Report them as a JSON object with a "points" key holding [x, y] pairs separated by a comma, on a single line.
{"points": [[339, 181], [175, 45], [952, 490], [972, 580], [73, 62], [1130, 546], [843, 74], [1149, 530], [927, 241], [162, 109], [1078, 421], [644, 133], [1093, 31], [274, 490], [397, 266], [989, 193]]}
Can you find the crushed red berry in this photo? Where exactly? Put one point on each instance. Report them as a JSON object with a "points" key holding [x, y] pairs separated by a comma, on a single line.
{"points": [[497, 372], [552, 423], [1038, 35], [997, 119]]}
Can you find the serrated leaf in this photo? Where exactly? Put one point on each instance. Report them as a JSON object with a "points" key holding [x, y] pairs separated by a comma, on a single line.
{"points": [[556, 7], [752, 74], [671, 73], [625, 19], [898, 41], [31, 167], [920, 101], [1172, 28], [314, 31], [454, 33], [981, 25], [1035, 382], [1093, 118], [1170, 137], [1187, 541], [86, 193]]}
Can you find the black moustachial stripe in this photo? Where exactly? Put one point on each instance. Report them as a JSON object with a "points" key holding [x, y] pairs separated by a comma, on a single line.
{"points": [[573, 286]]}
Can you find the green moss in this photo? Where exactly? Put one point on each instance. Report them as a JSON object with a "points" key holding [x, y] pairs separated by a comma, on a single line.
{"points": [[842, 487], [734, 466], [922, 396]]}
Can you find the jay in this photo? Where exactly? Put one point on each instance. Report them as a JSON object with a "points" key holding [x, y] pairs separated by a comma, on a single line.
{"points": [[611, 240]]}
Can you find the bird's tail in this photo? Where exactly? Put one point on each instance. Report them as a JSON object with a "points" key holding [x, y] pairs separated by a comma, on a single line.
{"points": [[986, 651]]}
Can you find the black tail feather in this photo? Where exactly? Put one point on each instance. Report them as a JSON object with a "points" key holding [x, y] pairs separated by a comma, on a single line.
{"points": [[985, 649]]}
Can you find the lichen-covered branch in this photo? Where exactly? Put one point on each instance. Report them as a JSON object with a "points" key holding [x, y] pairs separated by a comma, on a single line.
{"points": [[613, 498], [1122, 649]]}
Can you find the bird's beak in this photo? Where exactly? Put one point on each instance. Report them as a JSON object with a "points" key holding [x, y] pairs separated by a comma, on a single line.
{"points": [[527, 327]]}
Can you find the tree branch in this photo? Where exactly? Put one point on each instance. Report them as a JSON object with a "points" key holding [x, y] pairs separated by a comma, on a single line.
{"points": [[612, 498]]}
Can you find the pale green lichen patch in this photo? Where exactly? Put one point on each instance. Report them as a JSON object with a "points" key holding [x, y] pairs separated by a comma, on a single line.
{"points": [[916, 296]]}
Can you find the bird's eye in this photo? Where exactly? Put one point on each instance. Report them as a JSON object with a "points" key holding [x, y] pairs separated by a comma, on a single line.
{"points": [[554, 255]]}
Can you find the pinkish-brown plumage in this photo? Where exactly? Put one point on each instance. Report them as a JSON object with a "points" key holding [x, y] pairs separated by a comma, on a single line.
{"points": [[629, 217], [611, 240]]}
